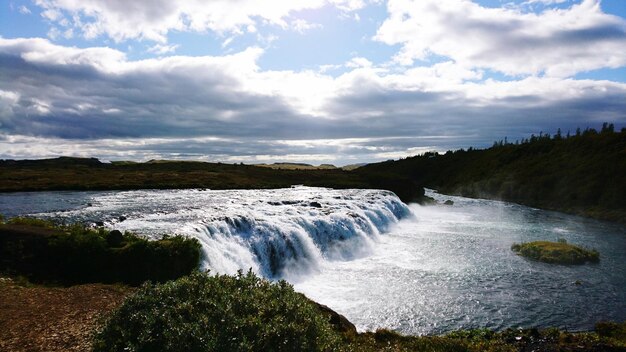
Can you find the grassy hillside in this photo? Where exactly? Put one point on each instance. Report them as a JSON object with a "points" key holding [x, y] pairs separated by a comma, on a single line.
{"points": [[90, 174], [582, 174]]}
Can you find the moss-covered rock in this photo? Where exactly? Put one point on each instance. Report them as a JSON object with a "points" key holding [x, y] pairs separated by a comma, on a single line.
{"points": [[556, 252]]}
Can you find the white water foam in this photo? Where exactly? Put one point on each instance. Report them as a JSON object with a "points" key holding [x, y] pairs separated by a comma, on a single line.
{"points": [[282, 233]]}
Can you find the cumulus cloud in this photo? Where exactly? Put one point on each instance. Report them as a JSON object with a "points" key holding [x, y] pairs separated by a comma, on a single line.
{"points": [[95, 101], [554, 42], [153, 19]]}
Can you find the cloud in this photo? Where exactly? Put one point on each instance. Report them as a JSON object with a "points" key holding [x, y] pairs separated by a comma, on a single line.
{"points": [[545, 2], [161, 49], [358, 62], [24, 10], [153, 19], [302, 26], [95, 101], [555, 42]]}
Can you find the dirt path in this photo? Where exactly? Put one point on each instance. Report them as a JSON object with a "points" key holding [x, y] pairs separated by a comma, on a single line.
{"points": [[53, 318]]}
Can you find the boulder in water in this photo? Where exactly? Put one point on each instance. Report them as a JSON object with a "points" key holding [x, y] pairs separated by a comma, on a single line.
{"points": [[448, 202], [315, 205]]}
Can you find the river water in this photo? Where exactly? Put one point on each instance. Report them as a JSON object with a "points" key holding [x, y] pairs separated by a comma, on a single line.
{"points": [[381, 263]]}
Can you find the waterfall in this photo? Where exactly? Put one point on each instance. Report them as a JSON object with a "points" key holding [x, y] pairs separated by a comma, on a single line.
{"points": [[277, 233]]}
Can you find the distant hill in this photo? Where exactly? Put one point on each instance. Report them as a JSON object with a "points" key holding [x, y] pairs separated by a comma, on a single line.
{"points": [[353, 166], [90, 174], [301, 166], [583, 173], [297, 166]]}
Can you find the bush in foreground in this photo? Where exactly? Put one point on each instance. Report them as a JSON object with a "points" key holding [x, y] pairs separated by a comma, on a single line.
{"points": [[217, 313], [246, 313], [74, 254], [556, 252]]}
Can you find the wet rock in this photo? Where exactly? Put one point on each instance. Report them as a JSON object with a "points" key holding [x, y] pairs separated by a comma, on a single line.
{"points": [[115, 238], [122, 218], [99, 223], [448, 202], [338, 321], [315, 205]]}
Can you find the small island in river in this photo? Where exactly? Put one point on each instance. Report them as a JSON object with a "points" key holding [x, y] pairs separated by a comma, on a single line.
{"points": [[559, 252]]}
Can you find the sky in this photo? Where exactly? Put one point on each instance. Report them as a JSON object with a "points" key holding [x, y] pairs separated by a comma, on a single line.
{"points": [[313, 81]]}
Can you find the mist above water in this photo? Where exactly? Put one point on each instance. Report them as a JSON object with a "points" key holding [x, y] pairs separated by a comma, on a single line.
{"points": [[383, 264]]}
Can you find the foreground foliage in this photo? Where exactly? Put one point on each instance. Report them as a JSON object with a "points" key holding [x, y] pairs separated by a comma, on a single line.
{"points": [[46, 252], [556, 252], [246, 313], [218, 313]]}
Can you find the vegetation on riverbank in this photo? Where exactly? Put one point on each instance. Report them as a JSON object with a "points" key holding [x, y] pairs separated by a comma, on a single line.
{"points": [[582, 172], [47, 252], [246, 313], [556, 252], [44, 318], [90, 174]]}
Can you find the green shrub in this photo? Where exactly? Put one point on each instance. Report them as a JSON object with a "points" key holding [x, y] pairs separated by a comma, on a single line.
{"points": [[614, 332], [217, 313], [28, 221], [75, 254]]}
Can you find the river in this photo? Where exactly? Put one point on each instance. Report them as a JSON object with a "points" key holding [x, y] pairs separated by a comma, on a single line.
{"points": [[382, 263]]}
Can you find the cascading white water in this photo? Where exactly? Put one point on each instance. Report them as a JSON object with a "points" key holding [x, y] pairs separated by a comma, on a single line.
{"points": [[281, 233]]}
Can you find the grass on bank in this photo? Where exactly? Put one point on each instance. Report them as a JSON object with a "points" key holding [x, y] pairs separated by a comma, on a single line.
{"points": [[556, 252], [45, 252]]}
